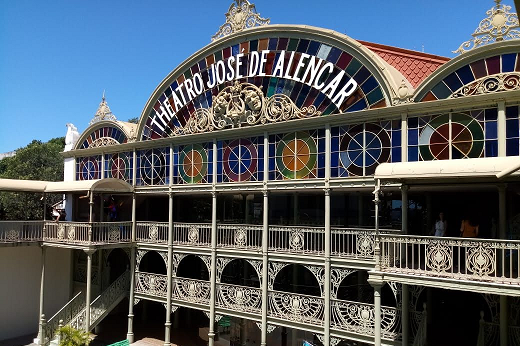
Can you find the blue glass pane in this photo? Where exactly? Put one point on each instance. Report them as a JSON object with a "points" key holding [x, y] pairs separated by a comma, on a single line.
{"points": [[396, 154], [491, 148], [441, 91], [413, 123], [511, 128], [491, 130], [413, 154], [313, 48], [453, 82], [413, 137], [465, 74], [508, 62], [512, 147], [512, 112]]}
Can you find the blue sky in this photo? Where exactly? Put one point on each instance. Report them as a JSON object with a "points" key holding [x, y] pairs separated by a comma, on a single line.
{"points": [[57, 57]]}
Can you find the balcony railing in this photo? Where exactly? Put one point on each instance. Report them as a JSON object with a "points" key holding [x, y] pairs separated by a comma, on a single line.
{"points": [[88, 233], [239, 236], [151, 232], [239, 298], [484, 260], [191, 290], [294, 239], [151, 284], [296, 307], [20, 231], [192, 234]]}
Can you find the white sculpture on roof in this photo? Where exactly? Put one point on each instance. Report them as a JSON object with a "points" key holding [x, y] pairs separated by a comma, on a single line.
{"points": [[499, 25], [71, 137]]}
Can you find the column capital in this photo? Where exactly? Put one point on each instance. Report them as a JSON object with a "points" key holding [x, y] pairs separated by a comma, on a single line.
{"points": [[214, 194], [265, 192], [327, 191], [89, 252], [502, 186], [404, 188]]}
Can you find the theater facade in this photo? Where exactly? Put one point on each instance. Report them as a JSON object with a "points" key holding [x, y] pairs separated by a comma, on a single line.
{"points": [[284, 184]]}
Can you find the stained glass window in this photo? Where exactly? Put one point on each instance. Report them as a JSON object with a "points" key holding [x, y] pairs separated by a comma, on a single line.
{"points": [[240, 160], [193, 164], [456, 135], [356, 150], [297, 155], [153, 166], [368, 94], [88, 168], [104, 136], [468, 74], [512, 131], [119, 166]]}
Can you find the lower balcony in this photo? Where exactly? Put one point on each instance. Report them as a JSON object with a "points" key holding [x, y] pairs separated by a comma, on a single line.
{"points": [[482, 265]]}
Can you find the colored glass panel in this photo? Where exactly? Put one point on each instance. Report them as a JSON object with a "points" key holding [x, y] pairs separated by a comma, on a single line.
{"points": [[119, 166], [88, 168], [153, 166]]}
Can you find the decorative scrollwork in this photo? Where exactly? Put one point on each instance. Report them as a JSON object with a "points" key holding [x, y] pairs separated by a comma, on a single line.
{"points": [[490, 84], [139, 257], [365, 242], [114, 235], [240, 237], [151, 284], [193, 291], [193, 235], [499, 25], [243, 104], [72, 233], [12, 235], [336, 277], [176, 260], [222, 262], [273, 270], [319, 274], [207, 261], [481, 259], [258, 267], [296, 240], [153, 232], [240, 15], [296, 307], [136, 301], [61, 231], [270, 327], [103, 142], [239, 298], [439, 257], [360, 318]]}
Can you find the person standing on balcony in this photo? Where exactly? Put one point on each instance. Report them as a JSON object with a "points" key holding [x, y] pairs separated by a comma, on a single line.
{"points": [[468, 229], [441, 225]]}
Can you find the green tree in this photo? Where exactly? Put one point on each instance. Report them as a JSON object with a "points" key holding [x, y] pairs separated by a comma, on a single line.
{"points": [[36, 161], [72, 337], [133, 120]]}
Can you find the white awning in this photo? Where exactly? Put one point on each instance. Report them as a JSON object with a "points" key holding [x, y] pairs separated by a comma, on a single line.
{"points": [[22, 185], [99, 185], [443, 169]]}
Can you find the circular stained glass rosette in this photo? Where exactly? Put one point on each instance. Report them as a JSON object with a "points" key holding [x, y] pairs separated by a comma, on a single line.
{"points": [[466, 133], [240, 160], [364, 148], [193, 163], [296, 155], [119, 167], [153, 165], [88, 169]]}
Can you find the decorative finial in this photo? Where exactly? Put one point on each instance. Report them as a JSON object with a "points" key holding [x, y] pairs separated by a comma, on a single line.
{"points": [[103, 112], [499, 25], [241, 15]]}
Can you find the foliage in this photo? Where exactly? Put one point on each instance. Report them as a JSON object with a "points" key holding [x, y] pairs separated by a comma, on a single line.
{"points": [[36, 161], [72, 337], [133, 120]]}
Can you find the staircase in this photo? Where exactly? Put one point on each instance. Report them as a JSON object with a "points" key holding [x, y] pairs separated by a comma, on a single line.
{"points": [[74, 312]]}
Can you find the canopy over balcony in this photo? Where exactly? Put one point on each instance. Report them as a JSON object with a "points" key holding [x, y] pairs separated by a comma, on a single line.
{"points": [[99, 185], [441, 170]]}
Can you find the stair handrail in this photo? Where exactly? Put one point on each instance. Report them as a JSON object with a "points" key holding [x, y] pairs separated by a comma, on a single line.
{"points": [[66, 314], [113, 291], [420, 336]]}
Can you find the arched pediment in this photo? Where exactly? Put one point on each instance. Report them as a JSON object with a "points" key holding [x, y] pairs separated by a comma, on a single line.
{"points": [[103, 133], [487, 69], [268, 74]]}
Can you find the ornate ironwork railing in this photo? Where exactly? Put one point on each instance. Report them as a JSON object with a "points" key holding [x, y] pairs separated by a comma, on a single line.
{"points": [[191, 290], [151, 284], [485, 260], [294, 239], [111, 232], [360, 318], [20, 231], [192, 234], [103, 303], [239, 298], [68, 232], [353, 243], [296, 307], [152, 232], [65, 315], [239, 236]]}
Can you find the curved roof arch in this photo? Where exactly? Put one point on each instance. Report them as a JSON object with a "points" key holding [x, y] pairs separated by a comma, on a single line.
{"points": [[468, 68], [386, 77], [105, 132]]}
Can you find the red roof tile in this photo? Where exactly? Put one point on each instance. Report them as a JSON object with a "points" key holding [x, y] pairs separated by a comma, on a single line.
{"points": [[414, 66]]}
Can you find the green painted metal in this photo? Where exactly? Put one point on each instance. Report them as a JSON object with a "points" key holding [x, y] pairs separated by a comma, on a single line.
{"points": [[121, 343]]}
